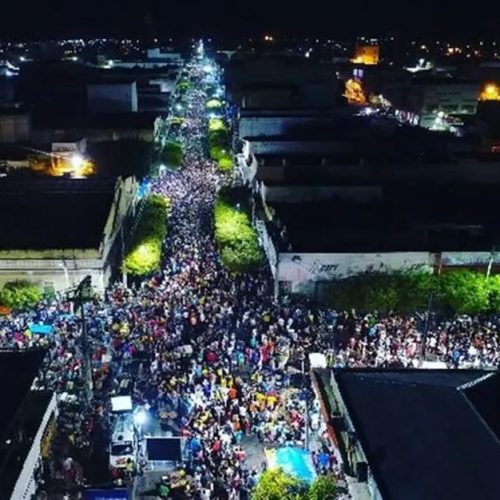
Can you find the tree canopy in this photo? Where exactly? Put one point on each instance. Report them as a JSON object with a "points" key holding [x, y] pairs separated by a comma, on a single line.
{"points": [[274, 484], [145, 255], [236, 237], [20, 294], [172, 154], [454, 291]]}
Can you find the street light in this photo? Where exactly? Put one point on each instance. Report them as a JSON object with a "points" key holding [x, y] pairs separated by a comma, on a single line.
{"points": [[77, 161], [140, 416]]}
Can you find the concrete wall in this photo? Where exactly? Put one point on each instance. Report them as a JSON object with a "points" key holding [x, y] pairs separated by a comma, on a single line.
{"points": [[299, 268], [302, 272], [311, 194], [457, 98], [254, 126], [43, 136], [267, 146], [112, 97], [15, 128]]}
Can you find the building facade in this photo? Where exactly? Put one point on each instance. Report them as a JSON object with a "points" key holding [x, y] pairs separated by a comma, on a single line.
{"points": [[59, 269]]}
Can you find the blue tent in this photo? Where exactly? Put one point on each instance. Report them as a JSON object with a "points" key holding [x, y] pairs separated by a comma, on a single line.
{"points": [[294, 461], [41, 328]]}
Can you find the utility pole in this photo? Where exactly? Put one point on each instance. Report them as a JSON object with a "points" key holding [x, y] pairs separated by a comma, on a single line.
{"points": [[124, 269], [428, 318], [305, 392], [490, 263], [81, 295]]}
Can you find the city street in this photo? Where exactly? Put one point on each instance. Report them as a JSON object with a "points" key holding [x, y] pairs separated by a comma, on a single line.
{"points": [[208, 355]]}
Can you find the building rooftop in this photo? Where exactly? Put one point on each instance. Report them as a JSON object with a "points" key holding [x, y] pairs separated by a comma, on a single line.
{"points": [[427, 433], [20, 369], [14, 452], [58, 118], [406, 218], [50, 213]]}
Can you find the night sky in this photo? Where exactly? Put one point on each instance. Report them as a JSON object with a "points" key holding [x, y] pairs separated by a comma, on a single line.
{"points": [[233, 18]]}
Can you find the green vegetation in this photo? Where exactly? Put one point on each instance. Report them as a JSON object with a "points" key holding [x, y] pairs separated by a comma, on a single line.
{"points": [[225, 162], [145, 254], [183, 86], [214, 104], [217, 125], [122, 158], [172, 154], [323, 488], [458, 292], [237, 239], [275, 484], [177, 120], [218, 142], [20, 295]]}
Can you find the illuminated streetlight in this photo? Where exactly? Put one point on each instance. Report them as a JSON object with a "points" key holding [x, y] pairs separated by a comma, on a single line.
{"points": [[140, 416], [77, 161]]}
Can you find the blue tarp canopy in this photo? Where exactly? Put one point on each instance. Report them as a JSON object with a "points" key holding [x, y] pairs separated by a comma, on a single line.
{"points": [[294, 461], [41, 328], [97, 494], [143, 189]]}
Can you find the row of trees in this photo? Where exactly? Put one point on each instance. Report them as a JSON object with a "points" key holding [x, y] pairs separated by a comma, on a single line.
{"points": [[172, 154], [183, 86], [235, 235], [20, 295], [145, 255], [461, 291], [274, 484], [219, 144]]}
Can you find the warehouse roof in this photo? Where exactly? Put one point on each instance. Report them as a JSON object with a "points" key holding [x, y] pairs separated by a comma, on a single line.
{"points": [[54, 214], [427, 433]]}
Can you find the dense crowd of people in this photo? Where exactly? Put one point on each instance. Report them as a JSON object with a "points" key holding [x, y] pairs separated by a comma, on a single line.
{"points": [[215, 351]]}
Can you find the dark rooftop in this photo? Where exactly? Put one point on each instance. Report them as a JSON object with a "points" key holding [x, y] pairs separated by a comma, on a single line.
{"points": [[19, 369], [427, 434], [14, 454], [53, 213], [407, 218], [59, 118]]}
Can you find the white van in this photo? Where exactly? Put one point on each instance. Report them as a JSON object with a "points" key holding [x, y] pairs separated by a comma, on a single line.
{"points": [[123, 446]]}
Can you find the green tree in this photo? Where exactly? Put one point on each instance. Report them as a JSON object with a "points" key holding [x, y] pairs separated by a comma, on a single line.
{"points": [[183, 86], [493, 284], [414, 289], [144, 256], [464, 291], [20, 294], [172, 154], [236, 237], [214, 104], [274, 484], [323, 488], [225, 162]]}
